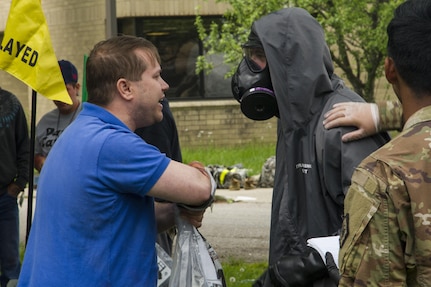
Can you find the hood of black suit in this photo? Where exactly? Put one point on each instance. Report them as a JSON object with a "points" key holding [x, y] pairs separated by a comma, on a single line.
{"points": [[299, 62]]}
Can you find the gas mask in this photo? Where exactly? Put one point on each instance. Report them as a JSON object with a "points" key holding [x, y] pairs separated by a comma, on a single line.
{"points": [[252, 87]]}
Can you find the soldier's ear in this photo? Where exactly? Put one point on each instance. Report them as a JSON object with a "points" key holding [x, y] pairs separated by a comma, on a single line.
{"points": [[391, 72]]}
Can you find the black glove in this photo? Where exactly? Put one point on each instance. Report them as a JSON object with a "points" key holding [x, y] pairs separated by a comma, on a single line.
{"points": [[298, 270], [263, 281], [333, 272]]}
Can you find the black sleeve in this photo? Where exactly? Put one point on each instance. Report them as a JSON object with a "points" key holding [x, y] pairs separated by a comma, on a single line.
{"points": [[23, 149]]}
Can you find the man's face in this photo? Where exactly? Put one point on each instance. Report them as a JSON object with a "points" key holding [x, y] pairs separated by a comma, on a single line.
{"points": [[72, 90], [149, 93], [256, 58]]}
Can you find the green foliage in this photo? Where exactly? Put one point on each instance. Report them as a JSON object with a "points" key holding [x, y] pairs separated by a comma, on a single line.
{"points": [[21, 251], [242, 274], [355, 32], [251, 156]]}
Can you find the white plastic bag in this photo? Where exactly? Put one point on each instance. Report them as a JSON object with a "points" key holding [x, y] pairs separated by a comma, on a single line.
{"points": [[164, 261], [195, 263]]}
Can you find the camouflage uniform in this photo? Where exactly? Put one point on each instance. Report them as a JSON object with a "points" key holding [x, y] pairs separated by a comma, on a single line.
{"points": [[390, 113], [386, 234]]}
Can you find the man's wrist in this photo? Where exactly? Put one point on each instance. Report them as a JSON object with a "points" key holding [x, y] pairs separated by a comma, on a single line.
{"points": [[14, 189]]}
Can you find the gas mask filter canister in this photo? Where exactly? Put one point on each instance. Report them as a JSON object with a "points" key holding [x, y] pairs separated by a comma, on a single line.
{"points": [[252, 88]]}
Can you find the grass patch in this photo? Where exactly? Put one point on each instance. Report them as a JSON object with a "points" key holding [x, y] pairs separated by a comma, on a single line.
{"points": [[251, 156], [21, 251], [241, 274]]}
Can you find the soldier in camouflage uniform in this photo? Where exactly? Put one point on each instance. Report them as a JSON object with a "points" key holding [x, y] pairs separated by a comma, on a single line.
{"points": [[386, 234]]}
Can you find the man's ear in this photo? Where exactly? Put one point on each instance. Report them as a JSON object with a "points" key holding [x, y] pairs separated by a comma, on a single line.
{"points": [[77, 86], [124, 89], [391, 72]]}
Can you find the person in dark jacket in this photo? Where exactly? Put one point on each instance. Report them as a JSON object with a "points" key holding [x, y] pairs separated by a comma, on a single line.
{"points": [[164, 136], [287, 72], [14, 171]]}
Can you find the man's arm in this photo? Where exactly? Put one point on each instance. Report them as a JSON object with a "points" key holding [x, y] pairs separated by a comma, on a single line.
{"points": [[39, 160], [199, 187], [39, 155], [22, 150], [369, 118], [190, 185]]}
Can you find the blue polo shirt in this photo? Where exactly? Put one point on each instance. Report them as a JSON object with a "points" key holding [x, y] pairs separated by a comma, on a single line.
{"points": [[93, 223]]}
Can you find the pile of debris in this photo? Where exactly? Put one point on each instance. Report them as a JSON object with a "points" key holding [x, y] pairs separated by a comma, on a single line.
{"points": [[236, 176]]}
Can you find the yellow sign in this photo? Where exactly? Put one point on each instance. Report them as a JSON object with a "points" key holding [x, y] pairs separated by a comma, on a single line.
{"points": [[26, 51]]}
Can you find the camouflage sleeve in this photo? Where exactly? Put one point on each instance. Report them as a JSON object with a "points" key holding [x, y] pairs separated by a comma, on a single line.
{"points": [[377, 235], [387, 213], [391, 114]]}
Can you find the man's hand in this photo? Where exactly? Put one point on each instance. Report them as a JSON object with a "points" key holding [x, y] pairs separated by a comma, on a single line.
{"points": [[13, 189], [193, 217], [364, 116], [198, 165]]}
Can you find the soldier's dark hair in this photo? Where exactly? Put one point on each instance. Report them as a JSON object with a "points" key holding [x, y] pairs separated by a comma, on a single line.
{"points": [[409, 44]]}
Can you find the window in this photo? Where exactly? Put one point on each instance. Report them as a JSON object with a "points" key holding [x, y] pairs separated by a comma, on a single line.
{"points": [[179, 46]]}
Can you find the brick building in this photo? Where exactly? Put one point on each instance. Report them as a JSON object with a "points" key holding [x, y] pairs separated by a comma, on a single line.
{"points": [[202, 104]]}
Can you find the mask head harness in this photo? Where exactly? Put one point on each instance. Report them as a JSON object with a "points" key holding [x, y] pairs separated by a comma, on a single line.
{"points": [[251, 84]]}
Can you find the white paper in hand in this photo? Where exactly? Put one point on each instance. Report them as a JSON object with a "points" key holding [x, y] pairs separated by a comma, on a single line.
{"points": [[326, 244]]}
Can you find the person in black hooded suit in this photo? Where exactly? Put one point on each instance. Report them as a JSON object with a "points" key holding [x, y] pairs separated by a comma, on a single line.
{"points": [[287, 72]]}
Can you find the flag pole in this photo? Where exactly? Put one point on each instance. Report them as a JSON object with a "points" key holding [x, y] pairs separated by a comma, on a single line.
{"points": [[25, 26], [31, 164], [84, 80]]}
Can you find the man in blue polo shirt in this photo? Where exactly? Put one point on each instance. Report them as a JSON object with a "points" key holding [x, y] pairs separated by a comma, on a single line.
{"points": [[95, 218]]}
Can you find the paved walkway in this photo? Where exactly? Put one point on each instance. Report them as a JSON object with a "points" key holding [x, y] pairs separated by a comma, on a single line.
{"points": [[240, 229], [237, 226]]}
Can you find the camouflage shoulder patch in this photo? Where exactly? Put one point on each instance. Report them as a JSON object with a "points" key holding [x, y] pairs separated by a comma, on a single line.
{"points": [[344, 229]]}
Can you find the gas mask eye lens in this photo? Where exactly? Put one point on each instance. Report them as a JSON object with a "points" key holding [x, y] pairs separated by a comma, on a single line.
{"points": [[255, 58]]}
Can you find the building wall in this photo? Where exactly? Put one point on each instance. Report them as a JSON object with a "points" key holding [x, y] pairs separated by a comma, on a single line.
{"points": [[127, 8], [219, 123], [75, 26]]}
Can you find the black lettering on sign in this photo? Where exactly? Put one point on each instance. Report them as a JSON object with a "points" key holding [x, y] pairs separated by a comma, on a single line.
{"points": [[33, 58], [8, 47], [19, 48], [21, 51]]}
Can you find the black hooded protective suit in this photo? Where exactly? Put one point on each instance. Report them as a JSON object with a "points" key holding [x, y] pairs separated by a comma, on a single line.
{"points": [[313, 165]]}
